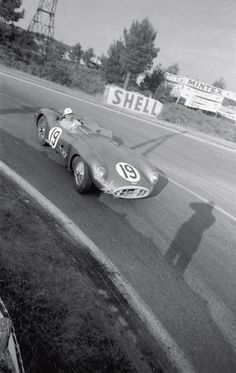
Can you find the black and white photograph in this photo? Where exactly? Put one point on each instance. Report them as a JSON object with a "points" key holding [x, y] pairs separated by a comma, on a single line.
{"points": [[117, 186]]}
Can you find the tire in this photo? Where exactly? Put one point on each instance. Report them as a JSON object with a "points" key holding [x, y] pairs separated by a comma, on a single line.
{"points": [[82, 179], [42, 130]]}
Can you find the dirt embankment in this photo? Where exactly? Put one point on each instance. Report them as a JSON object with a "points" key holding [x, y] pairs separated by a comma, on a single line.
{"points": [[67, 316]]}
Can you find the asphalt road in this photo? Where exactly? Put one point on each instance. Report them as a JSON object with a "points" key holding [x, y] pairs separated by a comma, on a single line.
{"points": [[178, 249]]}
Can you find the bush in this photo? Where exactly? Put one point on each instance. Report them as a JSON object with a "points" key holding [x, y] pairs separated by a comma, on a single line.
{"points": [[198, 120], [57, 72], [87, 80], [162, 94]]}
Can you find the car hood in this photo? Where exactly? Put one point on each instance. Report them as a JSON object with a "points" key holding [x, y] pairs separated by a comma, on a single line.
{"points": [[108, 150], [108, 154]]}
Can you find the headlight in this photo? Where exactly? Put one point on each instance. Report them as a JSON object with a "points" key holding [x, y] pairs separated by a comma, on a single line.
{"points": [[154, 177], [98, 172]]}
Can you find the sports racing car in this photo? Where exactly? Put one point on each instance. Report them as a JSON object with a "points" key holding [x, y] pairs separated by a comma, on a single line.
{"points": [[94, 156]]}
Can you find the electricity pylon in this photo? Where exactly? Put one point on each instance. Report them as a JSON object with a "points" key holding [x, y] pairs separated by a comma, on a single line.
{"points": [[42, 23]]}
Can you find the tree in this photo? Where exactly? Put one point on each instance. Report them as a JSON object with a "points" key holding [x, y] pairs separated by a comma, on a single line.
{"points": [[89, 53], [153, 80], [113, 66], [27, 39], [76, 53], [139, 47], [163, 93], [219, 83], [8, 11], [173, 69], [133, 54]]}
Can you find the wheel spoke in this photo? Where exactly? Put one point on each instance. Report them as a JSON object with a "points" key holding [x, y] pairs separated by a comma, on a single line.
{"points": [[82, 178], [79, 173], [42, 129]]}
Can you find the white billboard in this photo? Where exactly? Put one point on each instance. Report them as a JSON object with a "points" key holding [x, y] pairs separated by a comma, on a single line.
{"points": [[228, 112], [132, 101], [208, 88], [194, 94], [202, 96], [202, 104]]}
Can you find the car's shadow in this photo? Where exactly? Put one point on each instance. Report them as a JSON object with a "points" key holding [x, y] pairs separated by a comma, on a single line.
{"points": [[94, 191]]}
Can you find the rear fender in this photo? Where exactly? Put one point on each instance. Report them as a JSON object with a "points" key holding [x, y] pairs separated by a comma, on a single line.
{"points": [[51, 115], [88, 158]]}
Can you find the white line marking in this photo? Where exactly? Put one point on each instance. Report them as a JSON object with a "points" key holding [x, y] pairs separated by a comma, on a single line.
{"points": [[121, 113], [143, 120], [152, 323], [219, 209]]}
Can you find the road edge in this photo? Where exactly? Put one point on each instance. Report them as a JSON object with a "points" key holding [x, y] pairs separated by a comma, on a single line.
{"points": [[151, 322]]}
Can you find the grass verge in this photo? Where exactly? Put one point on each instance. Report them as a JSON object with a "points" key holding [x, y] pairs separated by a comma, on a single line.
{"points": [[67, 318], [197, 120]]}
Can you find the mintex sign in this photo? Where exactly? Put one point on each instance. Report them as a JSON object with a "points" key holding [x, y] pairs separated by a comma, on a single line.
{"points": [[132, 101], [196, 84]]}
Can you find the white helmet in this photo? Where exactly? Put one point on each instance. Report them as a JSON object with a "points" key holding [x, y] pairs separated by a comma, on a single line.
{"points": [[68, 111]]}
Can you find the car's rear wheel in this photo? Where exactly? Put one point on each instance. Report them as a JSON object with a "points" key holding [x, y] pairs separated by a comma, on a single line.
{"points": [[82, 179], [42, 130]]}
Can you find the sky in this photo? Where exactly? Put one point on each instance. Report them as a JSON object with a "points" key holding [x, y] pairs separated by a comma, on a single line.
{"points": [[198, 35]]}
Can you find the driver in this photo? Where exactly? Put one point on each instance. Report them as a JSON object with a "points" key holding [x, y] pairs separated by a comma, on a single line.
{"points": [[68, 121]]}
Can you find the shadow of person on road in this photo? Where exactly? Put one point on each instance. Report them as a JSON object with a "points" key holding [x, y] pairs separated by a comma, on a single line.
{"points": [[189, 235]]}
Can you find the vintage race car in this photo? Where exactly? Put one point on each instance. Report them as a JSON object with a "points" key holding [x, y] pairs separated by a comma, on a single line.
{"points": [[94, 156]]}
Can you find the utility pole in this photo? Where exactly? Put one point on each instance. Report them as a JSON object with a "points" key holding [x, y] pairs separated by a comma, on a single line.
{"points": [[42, 23]]}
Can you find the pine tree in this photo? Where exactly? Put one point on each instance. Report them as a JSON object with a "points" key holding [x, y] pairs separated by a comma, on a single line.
{"points": [[8, 11], [139, 47], [152, 80], [89, 53], [76, 53], [113, 65], [132, 55], [219, 83], [173, 69]]}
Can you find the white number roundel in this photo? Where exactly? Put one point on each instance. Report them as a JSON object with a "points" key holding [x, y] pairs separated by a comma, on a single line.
{"points": [[128, 172], [53, 136]]}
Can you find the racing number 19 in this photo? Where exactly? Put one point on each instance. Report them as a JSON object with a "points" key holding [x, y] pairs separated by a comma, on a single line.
{"points": [[54, 135], [127, 171]]}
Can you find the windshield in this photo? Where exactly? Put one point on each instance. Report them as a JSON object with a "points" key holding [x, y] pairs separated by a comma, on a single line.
{"points": [[95, 129]]}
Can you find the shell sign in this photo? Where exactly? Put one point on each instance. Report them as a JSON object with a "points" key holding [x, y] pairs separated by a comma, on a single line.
{"points": [[132, 101]]}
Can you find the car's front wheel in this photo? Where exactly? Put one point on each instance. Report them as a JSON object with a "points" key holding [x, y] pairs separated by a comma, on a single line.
{"points": [[42, 130], [82, 179]]}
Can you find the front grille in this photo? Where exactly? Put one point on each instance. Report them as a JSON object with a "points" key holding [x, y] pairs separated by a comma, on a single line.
{"points": [[131, 192]]}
